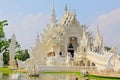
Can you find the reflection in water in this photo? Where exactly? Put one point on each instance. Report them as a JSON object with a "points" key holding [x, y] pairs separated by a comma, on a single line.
{"points": [[5, 77], [43, 77], [54, 77], [15, 76]]}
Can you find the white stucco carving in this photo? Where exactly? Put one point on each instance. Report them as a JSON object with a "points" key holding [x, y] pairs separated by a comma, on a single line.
{"points": [[68, 43]]}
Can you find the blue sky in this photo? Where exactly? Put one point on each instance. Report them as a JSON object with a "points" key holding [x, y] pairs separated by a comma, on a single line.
{"points": [[27, 18]]}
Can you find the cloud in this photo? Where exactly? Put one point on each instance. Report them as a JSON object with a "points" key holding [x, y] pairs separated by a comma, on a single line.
{"points": [[110, 19], [26, 28], [109, 25]]}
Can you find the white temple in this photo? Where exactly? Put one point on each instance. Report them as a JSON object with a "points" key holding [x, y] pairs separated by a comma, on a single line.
{"points": [[67, 43]]}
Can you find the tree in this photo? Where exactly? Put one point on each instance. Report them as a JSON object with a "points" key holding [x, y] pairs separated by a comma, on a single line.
{"points": [[6, 51], [2, 35], [22, 55], [107, 48], [3, 41], [2, 24]]}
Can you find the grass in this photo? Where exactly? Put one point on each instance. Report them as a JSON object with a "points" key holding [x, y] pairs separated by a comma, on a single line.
{"points": [[6, 70], [99, 77], [104, 77]]}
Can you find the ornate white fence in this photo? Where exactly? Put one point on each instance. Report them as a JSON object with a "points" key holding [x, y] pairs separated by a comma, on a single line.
{"points": [[71, 68]]}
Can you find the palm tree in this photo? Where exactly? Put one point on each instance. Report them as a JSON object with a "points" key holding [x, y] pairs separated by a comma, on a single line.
{"points": [[2, 24], [2, 34]]}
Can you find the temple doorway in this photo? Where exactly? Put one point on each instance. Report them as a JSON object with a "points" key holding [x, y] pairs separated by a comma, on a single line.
{"points": [[72, 46], [71, 53]]}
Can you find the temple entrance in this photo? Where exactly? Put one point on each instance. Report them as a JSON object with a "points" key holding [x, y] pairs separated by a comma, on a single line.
{"points": [[72, 46], [71, 53]]}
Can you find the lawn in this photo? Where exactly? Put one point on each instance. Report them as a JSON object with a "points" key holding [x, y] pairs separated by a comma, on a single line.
{"points": [[6, 70]]}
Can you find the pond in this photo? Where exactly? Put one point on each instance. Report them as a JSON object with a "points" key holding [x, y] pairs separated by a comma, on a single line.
{"points": [[45, 76]]}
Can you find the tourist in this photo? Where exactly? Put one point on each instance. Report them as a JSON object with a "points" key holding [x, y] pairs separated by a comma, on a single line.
{"points": [[16, 64]]}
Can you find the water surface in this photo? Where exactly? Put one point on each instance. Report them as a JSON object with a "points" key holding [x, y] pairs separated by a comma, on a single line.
{"points": [[41, 77]]}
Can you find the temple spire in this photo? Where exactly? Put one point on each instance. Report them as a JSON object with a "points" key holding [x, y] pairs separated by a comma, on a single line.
{"points": [[37, 40], [53, 15], [66, 8], [84, 32], [12, 45], [98, 32], [12, 52]]}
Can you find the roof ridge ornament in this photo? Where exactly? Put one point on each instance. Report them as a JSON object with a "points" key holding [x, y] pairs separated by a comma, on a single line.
{"points": [[66, 8], [98, 32], [53, 15]]}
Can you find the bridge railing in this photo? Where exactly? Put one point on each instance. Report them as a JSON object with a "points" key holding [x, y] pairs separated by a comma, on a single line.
{"points": [[71, 68]]}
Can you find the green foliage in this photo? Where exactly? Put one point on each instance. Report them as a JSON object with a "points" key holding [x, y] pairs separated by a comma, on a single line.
{"points": [[6, 70], [2, 34], [3, 42], [22, 55], [103, 77], [2, 24], [6, 51], [107, 48]]}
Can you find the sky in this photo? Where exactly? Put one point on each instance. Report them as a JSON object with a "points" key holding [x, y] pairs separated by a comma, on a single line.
{"points": [[27, 18]]}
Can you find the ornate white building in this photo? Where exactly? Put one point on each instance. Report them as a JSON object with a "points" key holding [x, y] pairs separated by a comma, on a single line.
{"points": [[68, 43]]}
